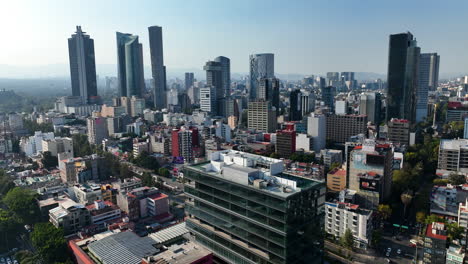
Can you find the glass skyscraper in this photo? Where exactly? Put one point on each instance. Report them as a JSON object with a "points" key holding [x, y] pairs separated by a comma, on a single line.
{"points": [[402, 77], [261, 66], [226, 74], [82, 65], [157, 66], [428, 81], [130, 65]]}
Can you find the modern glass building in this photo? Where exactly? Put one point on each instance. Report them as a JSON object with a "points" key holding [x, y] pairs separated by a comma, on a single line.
{"points": [[157, 66], [428, 81], [261, 66], [82, 65], [245, 209], [130, 65], [402, 77]]}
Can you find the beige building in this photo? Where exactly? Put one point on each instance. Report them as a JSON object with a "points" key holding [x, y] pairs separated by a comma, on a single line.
{"points": [[58, 145], [261, 116], [112, 111], [336, 180]]}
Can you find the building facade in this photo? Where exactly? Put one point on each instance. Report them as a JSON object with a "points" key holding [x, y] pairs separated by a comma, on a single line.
{"points": [[130, 65], [261, 66], [158, 70]]}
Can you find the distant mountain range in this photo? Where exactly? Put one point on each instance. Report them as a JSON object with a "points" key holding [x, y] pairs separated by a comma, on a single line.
{"points": [[63, 71]]}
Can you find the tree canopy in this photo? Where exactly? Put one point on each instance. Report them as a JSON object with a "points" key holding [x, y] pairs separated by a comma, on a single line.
{"points": [[347, 240], [23, 203], [385, 211], [456, 179], [48, 160], [49, 242], [146, 161]]}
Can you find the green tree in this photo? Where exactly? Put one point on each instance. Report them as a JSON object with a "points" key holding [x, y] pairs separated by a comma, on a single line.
{"points": [[146, 161], [125, 172], [49, 243], [376, 237], [347, 240], [384, 210], [454, 231], [6, 183], [27, 257], [9, 228], [456, 179], [433, 218], [48, 160], [274, 155], [81, 146], [23, 203], [147, 180], [164, 172]]}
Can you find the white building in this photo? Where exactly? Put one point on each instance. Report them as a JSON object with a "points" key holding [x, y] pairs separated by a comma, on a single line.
{"points": [[137, 105], [341, 107], [342, 216], [208, 99], [33, 145], [57, 145], [316, 128], [304, 142]]}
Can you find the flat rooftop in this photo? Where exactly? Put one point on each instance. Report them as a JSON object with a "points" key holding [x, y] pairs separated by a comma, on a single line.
{"points": [[187, 252], [453, 144]]}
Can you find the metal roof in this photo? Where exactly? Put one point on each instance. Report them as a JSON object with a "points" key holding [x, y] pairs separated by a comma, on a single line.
{"points": [[169, 233]]}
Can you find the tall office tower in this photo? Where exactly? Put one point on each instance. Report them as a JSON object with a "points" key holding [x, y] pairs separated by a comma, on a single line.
{"points": [[295, 112], [317, 129], [321, 82], [309, 80], [261, 66], [261, 116], [82, 65], [97, 129], [370, 105], [347, 76], [428, 81], [333, 79], [158, 69], [256, 220], [214, 77], [268, 89], [225, 74], [328, 96], [402, 77], [188, 80], [208, 99], [307, 102], [347, 79], [130, 65], [341, 127], [371, 173]]}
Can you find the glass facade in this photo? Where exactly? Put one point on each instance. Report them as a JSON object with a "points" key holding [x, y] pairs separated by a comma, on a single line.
{"points": [[244, 224]]}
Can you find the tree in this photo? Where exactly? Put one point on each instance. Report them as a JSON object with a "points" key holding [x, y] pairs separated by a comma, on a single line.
{"points": [[454, 231], [164, 172], [125, 172], [81, 146], [6, 183], [9, 228], [146, 161], [440, 181], [147, 180], [456, 179], [420, 217], [385, 211], [376, 237], [274, 155], [23, 203], [434, 218], [26, 257], [406, 198], [347, 240], [49, 243], [48, 160]]}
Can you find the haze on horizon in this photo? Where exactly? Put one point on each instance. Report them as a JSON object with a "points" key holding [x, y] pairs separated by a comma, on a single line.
{"points": [[305, 36]]}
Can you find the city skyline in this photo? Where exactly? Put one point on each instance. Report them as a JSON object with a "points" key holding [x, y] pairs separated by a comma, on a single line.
{"points": [[313, 44]]}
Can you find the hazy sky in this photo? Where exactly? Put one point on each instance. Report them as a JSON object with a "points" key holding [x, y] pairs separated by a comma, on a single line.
{"points": [[305, 36]]}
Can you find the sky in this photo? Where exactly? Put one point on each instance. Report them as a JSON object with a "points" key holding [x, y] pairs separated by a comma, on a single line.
{"points": [[307, 37]]}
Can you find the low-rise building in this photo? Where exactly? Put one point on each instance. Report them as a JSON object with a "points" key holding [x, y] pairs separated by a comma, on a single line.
{"points": [[87, 193], [336, 180], [143, 202], [103, 212], [343, 216], [70, 216], [455, 255]]}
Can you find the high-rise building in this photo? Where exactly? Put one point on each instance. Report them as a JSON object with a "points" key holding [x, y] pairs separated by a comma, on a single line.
{"points": [[261, 66], [231, 203], [225, 74], [261, 116], [295, 111], [82, 65], [208, 99], [333, 79], [316, 128], [189, 78], [268, 89], [157, 66], [137, 105], [348, 81], [428, 81], [341, 127], [307, 102], [370, 105], [341, 107], [402, 77], [328, 96], [214, 78], [130, 65], [58, 145], [285, 143], [183, 142]]}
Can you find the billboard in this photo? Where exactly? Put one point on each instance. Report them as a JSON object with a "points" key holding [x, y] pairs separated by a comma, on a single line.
{"points": [[369, 184]]}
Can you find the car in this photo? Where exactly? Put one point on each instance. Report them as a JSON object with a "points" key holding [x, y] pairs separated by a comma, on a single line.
{"points": [[412, 245], [389, 249], [2, 260], [388, 260], [387, 254], [413, 241], [398, 251]]}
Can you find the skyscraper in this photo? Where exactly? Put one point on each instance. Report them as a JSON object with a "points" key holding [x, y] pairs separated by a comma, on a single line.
{"points": [[261, 116], [370, 104], [333, 79], [402, 77], [268, 89], [328, 96], [225, 74], [295, 113], [82, 65], [261, 66], [130, 65], [214, 77], [158, 69], [428, 81], [188, 80]]}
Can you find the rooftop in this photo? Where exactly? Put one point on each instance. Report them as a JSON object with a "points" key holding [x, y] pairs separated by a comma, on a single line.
{"points": [[169, 233], [436, 230], [187, 252], [453, 144]]}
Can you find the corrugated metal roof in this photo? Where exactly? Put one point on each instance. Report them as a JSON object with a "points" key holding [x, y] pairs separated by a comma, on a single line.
{"points": [[169, 233]]}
